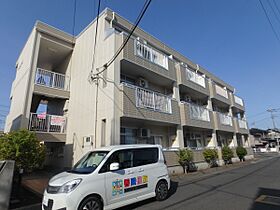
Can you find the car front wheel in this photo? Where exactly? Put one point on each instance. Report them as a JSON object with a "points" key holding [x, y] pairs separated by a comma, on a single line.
{"points": [[91, 203]]}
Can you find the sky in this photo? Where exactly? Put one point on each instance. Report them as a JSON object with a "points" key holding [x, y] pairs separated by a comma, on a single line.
{"points": [[230, 38]]}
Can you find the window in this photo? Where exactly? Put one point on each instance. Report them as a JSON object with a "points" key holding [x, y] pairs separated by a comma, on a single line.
{"points": [[131, 158], [128, 135], [123, 157], [89, 162], [194, 140], [145, 156], [127, 79]]}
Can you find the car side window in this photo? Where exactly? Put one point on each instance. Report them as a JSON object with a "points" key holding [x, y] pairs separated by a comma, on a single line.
{"points": [[145, 156], [123, 157]]}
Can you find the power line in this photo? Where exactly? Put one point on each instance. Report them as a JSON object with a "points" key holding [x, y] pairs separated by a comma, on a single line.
{"points": [[95, 36], [276, 6], [140, 16], [275, 14], [74, 18], [256, 115], [270, 23]]}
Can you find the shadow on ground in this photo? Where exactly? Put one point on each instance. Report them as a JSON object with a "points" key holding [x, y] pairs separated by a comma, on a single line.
{"points": [[267, 199], [173, 189]]}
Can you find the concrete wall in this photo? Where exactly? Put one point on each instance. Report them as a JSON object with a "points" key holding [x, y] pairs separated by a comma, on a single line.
{"points": [[82, 103], [6, 179], [20, 86]]}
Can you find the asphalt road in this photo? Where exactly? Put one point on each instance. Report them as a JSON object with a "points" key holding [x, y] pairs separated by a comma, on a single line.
{"points": [[235, 189], [224, 189]]}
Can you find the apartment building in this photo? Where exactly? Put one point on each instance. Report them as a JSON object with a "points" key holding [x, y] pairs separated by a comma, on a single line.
{"points": [[150, 94]]}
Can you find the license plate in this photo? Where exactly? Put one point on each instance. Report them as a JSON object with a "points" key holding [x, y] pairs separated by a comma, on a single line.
{"points": [[45, 201]]}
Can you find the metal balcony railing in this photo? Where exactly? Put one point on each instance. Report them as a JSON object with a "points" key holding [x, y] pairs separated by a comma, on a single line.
{"points": [[225, 119], [150, 54], [242, 124], [221, 91], [238, 100], [47, 123], [151, 100], [51, 79], [196, 78], [199, 113]]}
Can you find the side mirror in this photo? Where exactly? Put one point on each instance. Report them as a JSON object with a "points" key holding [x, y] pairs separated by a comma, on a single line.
{"points": [[114, 166]]}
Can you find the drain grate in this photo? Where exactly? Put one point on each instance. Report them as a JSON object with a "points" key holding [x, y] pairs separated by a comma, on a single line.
{"points": [[268, 199]]}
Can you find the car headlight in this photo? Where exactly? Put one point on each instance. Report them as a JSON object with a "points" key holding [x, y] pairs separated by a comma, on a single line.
{"points": [[69, 186]]}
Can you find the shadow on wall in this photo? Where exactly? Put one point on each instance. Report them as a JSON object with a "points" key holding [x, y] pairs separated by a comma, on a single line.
{"points": [[18, 122], [268, 199]]}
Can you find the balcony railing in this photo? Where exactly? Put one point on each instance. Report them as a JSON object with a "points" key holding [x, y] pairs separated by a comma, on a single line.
{"points": [[225, 119], [221, 91], [196, 78], [50, 79], [152, 100], [47, 123], [199, 113], [238, 100], [150, 54], [242, 124]]}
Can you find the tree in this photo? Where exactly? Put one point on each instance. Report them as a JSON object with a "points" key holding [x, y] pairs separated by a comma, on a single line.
{"points": [[23, 147], [227, 154], [241, 153], [211, 156], [185, 159]]}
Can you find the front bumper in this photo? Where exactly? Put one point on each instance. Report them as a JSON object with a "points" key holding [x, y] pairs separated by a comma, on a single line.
{"points": [[59, 201]]}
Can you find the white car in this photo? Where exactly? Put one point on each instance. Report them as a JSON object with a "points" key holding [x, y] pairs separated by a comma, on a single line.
{"points": [[110, 177]]}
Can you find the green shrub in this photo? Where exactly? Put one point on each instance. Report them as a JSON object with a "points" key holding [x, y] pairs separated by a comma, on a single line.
{"points": [[23, 147], [211, 156], [185, 158], [241, 152], [227, 154]]}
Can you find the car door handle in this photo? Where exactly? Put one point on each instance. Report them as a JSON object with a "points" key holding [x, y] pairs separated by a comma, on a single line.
{"points": [[130, 172], [140, 170]]}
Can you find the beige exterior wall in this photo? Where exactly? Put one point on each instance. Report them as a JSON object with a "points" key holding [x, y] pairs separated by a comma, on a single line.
{"points": [[115, 102], [19, 88]]}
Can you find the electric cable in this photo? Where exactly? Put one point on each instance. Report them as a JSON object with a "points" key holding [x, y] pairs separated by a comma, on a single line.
{"points": [[270, 23], [140, 16]]}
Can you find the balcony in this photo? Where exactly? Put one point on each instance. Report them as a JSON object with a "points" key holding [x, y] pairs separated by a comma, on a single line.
{"points": [[220, 94], [196, 116], [48, 128], [47, 123], [150, 54], [237, 102], [192, 81], [51, 83], [145, 104], [241, 126], [138, 56], [223, 122]]}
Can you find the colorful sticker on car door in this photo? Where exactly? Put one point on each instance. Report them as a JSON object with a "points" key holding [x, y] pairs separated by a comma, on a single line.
{"points": [[117, 187], [120, 187], [135, 183]]}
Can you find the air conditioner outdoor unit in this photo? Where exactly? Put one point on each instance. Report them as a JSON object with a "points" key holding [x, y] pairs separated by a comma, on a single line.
{"points": [[143, 83], [144, 132]]}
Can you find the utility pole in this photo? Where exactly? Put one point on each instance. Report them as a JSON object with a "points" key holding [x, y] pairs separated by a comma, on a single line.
{"points": [[272, 116], [274, 126]]}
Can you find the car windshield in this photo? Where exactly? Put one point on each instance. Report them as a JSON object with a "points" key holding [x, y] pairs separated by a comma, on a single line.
{"points": [[89, 162]]}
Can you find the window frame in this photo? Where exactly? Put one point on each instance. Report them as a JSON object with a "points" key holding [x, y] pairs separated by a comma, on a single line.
{"points": [[108, 161]]}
